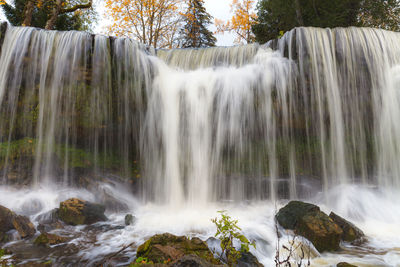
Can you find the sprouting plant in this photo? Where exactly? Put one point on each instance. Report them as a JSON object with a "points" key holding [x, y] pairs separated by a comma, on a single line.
{"points": [[227, 232]]}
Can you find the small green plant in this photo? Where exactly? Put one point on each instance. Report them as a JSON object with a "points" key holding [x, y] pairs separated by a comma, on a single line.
{"points": [[139, 261], [227, 232]]}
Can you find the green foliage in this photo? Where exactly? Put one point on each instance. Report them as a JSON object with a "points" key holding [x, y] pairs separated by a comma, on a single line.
{"points": [[275, 16], [195, 32], [227, 232], [140, 261], [81, 21]]}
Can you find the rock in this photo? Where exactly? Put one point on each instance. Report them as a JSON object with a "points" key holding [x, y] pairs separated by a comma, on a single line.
{"points": [[307, 220], [289, 215], [351, 233], [248, 260], [49, 221], [129, 219], [9, 221], [47, 240], [169, 248], [24, 226], [345, 264], [193, 261], [75, 212]]}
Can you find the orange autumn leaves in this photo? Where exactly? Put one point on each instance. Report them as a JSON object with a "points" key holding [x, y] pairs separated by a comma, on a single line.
{"points": [[157, 23], [152, 22], [240, 23]]}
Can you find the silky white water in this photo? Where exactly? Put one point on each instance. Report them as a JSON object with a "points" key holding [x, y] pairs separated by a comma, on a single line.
{"points": [[375, 211], [185, 133]]}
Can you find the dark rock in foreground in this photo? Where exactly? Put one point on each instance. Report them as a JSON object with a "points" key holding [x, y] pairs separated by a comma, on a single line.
{"points": [[192, 261], [351, 233], [168, 248], [309, 221], [75, 212], [345, 264], [248, 260], [11, 221]]}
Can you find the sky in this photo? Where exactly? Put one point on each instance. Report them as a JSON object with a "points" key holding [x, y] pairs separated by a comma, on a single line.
{"points": [[219, 9]]}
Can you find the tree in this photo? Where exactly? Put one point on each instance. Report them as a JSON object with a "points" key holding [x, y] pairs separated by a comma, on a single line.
{"points": [[275, 16], [155, 23], [241, 22], [37, 13], [195, 32], [384, 14]]}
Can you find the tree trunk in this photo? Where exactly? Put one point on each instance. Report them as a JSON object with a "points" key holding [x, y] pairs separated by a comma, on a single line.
{"points": [[54, 15], [298, 13], [30, 5]]}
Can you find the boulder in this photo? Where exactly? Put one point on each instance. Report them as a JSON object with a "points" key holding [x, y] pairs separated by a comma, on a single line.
{"points": [[47, 240], [309, 221], [345, 264], [75, 212], [351, 233], [248, 260], [11, 221], [193, 261], [24, 226], [166, 247], [49, 221], [129, 219]]}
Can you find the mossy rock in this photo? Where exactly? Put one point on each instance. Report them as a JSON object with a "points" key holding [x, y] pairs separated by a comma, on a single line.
{"points": [[345, 264], [309, 221], [47, 240], [351, 233], [76, 212], [9, 221], [321, 230], [166, 247]]}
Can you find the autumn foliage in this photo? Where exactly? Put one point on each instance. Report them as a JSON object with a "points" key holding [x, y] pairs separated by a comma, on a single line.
{"points": [[152, 22], [241, 22]]}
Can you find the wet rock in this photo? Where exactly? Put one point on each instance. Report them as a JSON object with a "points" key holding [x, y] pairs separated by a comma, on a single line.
{"points": [[49, 221], [307, 220], [47, 240], [248, 260], [345, 264], [193, 261], [75, 212], [24, 226], [351, 233], [170, 248], [129, 219], [9, 221]]}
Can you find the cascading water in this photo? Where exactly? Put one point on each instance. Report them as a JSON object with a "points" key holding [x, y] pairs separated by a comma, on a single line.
{"points": [[312, 115]]}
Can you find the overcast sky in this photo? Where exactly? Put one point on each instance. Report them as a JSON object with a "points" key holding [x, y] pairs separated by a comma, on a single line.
{"points": [[219, 9]]}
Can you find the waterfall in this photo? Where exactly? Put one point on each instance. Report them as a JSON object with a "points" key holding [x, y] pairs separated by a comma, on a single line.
{"points": [[195, 126]]}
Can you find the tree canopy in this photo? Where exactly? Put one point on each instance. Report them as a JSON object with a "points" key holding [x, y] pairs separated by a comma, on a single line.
{"points": [[155, 23], [241, 22], [275, 16], [196, 20], [49, 14]]}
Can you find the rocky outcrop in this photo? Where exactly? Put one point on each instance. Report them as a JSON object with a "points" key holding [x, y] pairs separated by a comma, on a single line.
{"points": [[47, 240], [168, 248], [309, 221], [76, 212], [11, 221], [351, 233]]}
